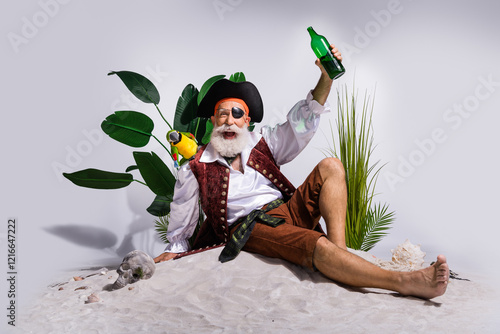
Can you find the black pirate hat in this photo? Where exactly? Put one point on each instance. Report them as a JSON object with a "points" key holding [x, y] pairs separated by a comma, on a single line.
{"points": [[223, 89]]}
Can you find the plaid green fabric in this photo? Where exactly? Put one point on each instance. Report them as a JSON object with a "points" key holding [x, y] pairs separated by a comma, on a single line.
{"points": [[246, 225]]}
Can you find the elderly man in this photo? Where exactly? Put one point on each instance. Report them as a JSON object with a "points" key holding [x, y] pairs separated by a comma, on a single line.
{"points": [[250, 204]]}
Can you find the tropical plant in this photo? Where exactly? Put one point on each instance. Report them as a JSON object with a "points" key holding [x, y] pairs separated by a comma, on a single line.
{"points": [[366, 224], [135, 129]]}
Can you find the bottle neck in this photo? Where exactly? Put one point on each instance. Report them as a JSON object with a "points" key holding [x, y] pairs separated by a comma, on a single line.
{"points": [[311, 31]]}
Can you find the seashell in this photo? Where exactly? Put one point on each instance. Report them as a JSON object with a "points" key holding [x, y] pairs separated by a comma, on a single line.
{"points": [[102, 271], [408, 255], [78, 278], [93, 298], [82, 288]]}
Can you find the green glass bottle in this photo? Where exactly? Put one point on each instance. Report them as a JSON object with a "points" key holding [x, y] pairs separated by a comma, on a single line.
{"points": [[321, 48]]}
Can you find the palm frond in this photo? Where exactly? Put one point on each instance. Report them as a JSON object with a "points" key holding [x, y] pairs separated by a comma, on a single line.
{"points": [[161, 227], [377, 223]]}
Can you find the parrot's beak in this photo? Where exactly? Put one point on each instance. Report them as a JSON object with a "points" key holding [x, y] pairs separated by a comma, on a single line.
{"points": [[174, 137]]}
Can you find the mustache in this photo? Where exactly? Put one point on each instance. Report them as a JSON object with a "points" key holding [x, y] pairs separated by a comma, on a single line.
{"points": [[219, 130]]}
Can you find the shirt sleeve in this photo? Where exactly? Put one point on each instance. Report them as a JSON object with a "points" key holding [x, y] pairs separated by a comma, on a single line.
{"points": [[288, 139], [184, 211]]}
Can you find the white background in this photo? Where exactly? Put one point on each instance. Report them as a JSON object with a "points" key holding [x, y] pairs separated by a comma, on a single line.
{"points": [[422, 60]]}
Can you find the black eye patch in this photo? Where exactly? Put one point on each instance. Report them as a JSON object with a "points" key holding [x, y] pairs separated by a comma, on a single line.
{"points": [[237, 112]]}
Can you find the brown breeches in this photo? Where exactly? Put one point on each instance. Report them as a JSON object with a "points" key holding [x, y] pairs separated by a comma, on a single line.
{"points": [[296, 239]]}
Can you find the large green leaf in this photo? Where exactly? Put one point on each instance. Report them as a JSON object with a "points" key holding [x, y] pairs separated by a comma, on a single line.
{"points": [[99, 179], [129, 127], [185, 112], [161, 205], [198, 128], [237, 77], [139, 85], [206, 86], [131, 168], [208, 132], [156, 174]]}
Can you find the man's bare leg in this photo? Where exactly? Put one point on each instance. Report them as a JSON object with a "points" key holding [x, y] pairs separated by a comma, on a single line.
{"points": [[344, 267], [333, 200]]}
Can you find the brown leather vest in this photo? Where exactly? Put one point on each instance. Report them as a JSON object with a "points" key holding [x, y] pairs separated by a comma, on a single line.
{"points": [[213, 179]]}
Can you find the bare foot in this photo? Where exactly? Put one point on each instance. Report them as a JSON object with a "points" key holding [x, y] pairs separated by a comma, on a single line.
{"points": [[429, 282]]}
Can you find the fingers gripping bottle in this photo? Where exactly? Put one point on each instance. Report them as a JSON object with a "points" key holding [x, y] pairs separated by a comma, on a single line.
{"points": [[321, 48]]}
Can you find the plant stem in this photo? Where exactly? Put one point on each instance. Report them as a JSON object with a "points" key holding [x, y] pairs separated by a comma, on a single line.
{"points": [[196, 129], [140, 182], [163, 117], [163, 146]]}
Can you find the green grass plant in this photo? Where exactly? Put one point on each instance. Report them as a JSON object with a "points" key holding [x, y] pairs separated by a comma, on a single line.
{"points": [[366, 223]]}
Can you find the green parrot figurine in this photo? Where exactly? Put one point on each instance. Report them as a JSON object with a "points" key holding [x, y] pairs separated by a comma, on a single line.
{"points": [[183, 143]]}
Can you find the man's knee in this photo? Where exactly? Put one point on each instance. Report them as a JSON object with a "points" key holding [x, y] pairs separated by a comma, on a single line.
{"points": [[331, 166], [323, 251]]}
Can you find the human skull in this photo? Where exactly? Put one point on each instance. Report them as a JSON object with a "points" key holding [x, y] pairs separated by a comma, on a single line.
{"points": [[135, 266]]}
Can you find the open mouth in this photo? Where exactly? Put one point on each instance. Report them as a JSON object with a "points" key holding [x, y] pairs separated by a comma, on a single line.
{"points": [[229, 135]]}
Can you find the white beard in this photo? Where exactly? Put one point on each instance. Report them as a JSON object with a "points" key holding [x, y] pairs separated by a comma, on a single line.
{"points": [[229, 147]]}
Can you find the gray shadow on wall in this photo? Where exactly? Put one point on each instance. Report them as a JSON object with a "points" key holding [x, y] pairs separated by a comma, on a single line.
{"points": [[138, 235], [83, 235]]}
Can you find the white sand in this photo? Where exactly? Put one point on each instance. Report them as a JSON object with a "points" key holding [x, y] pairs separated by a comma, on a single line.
{"points": [[252, 294]]}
